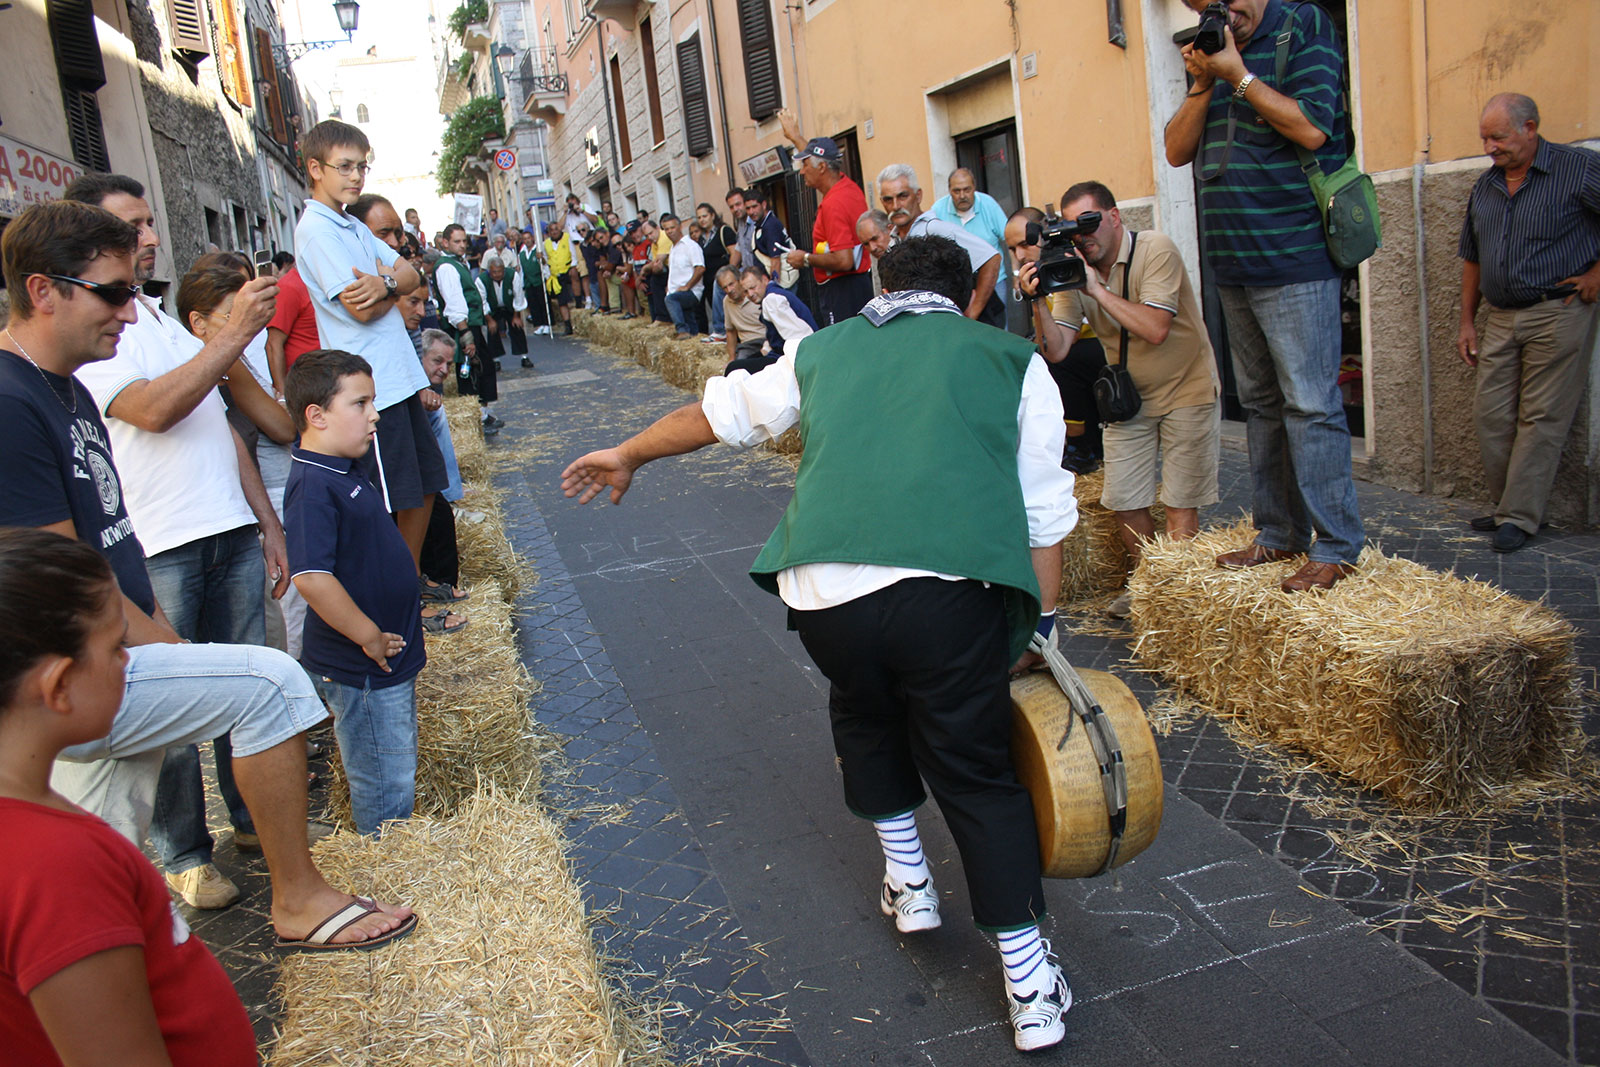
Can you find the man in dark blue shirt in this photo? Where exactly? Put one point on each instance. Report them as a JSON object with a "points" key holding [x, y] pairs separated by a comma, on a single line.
{"points": [[1241, 126], [1530, 247]]}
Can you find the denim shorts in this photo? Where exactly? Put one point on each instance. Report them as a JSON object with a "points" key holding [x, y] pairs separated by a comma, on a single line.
{"points": [[377, 732]]}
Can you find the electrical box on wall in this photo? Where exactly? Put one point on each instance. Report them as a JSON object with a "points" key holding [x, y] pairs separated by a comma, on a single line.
{"points": [[866, 129], [1030, 65]]}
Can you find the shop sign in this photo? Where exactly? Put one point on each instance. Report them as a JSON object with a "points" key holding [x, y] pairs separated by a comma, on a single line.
{"points": [[29, 176], [769, 164]]}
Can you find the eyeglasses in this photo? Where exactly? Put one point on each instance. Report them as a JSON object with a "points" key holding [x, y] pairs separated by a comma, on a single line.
{"points": [[115, 295], [347, 169]]}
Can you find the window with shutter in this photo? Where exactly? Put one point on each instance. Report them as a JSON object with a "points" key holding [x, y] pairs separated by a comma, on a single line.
{"points": [[692, 87], [623, 142], [85, 130], [267, 73], [647, 52], [77, 46], [187, 20], [760, 58], [233, 67]]}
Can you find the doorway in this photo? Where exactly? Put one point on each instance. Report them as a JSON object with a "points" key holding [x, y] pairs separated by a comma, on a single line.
{"points": [[990, 153]]}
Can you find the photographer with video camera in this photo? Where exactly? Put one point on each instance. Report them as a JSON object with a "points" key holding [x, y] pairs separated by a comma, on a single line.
{"points": [[1136, 294], [1268, 85]]}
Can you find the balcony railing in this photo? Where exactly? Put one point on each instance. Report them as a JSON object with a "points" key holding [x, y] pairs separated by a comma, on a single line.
{"points": [[543, 87]]}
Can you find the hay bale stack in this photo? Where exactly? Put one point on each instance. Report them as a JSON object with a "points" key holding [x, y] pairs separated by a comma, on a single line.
{"points": [[472, 714], [1094, 562], [486, 552], [500, 972], [465, 417], [1442, 693]]}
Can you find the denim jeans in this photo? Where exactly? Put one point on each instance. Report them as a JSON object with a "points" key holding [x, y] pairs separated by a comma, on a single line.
{"points": [[1286, 349], [177, 695], [213, 590], [715, 300], [377, 731], [683, 307]]}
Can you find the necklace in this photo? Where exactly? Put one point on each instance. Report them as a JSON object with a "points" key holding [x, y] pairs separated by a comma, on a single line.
{"points": [[71, 409]]}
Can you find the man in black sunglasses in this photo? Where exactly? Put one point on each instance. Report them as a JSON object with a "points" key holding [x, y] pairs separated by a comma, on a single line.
{"points": [[59, 475]]}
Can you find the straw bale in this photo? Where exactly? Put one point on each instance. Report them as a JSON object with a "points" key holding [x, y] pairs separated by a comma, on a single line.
{"points": [[500, 972], [485, 549], [1094, 562], [472, 715], [466, 432], [1442, 693]]}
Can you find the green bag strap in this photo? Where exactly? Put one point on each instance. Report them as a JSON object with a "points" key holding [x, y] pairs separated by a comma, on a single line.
{"points": [[1308, 159]]}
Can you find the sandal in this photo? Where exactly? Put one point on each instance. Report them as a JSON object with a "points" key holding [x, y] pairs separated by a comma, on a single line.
{"points": [[438, 623], [437, 592], [321, 938]]}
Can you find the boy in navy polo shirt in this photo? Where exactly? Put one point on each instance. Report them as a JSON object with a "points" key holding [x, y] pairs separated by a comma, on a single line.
{"points": [[363, 634]]}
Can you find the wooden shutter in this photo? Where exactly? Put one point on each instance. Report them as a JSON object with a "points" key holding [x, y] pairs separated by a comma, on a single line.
{"points": [[267, 69], [623, 141], [232, 67], [652, 85], [187, 20], [85, 130], [77, 46], [760, 58], [692, 87]]}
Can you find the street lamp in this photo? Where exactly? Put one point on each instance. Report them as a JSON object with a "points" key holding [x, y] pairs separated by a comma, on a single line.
{"points": [[348, 13], [506, 60]]}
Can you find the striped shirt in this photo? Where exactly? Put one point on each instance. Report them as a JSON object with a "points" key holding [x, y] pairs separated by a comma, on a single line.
{"points": [[1259, 222], [1526, 244]]}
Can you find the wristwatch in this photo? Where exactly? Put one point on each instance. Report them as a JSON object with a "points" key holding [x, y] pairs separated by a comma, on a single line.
{"points": [[1244, 83], [390, 284]]}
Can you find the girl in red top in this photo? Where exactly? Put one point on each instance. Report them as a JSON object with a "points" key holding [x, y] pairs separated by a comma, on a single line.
{"points": [[96, 965]]}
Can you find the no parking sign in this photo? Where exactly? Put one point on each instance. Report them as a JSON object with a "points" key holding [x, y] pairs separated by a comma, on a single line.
{"points": [[506, 158]]}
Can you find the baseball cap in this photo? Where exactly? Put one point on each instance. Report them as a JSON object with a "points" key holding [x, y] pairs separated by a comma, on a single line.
{"points": [[822, 148]]}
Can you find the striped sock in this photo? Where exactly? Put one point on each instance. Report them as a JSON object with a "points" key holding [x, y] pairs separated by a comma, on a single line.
{"points": [[902, 850], [1025, 959]]}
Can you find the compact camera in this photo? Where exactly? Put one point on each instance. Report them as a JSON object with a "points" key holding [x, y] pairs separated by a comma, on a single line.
{"points": [[1212, 36], [1059, 268]]}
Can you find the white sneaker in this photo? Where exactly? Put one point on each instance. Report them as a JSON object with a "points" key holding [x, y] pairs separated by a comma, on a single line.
{"points": [[914, 907], [1036, 1020], [204, 887]]}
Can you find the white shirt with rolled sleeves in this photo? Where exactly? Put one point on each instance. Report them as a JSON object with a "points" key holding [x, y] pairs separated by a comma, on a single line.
{"points": [[328, 244], [776, 310], [747, 409], [181, 485], [686, 255], [448, 282]]}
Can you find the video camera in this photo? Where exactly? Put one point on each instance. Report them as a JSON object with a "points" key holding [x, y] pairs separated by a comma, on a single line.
{"points": [[1059, 267]]}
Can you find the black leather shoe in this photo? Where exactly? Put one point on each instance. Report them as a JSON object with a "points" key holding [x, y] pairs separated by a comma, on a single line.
{"points": [[1483, 524], [1509, 538]]}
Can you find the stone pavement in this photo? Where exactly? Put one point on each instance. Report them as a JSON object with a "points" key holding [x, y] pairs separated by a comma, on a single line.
{"points": [[707, 825]]}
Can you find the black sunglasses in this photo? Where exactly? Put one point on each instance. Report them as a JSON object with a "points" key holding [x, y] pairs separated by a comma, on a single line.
{"points": [[115, 295]]}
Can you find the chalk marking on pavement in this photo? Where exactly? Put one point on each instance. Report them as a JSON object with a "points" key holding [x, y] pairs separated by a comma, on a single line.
{"points": [[655, 564], [581, 657]]}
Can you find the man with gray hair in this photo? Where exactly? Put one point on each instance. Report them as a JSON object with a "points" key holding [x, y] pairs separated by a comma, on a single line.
{"points": [[441, 560], [1530, 247], [901, 196]]}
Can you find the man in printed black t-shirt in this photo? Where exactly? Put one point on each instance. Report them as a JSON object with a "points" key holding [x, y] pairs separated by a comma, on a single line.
{"points": [[1241, 126], [69, 269]]}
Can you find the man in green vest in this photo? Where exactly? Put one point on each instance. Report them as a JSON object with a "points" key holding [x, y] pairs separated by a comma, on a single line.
{"points": [[463, 299], [538, 313], [924, 533], [504, 303]]}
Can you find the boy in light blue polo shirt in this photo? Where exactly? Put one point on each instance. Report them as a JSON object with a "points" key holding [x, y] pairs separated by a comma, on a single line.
{"points": [[355, 282]]}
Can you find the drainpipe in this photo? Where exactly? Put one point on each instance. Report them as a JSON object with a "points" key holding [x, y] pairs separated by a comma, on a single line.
{"points": [[722, 102], [611, 130], [1420, 122]]}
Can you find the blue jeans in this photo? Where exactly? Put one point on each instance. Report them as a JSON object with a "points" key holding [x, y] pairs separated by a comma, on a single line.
{"points": [[683, 308], [715, 300], [1286, 347], [213, 591], [377, 731]]}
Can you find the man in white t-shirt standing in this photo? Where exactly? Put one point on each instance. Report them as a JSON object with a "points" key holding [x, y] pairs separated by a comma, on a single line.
{"points": [[196, 500], [686, 266]]}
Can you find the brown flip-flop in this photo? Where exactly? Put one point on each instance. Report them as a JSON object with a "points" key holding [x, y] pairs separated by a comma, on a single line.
{"points": [[320, 939]]}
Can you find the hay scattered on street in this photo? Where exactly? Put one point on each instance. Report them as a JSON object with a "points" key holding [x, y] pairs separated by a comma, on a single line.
{"points": [[1094, 561]]}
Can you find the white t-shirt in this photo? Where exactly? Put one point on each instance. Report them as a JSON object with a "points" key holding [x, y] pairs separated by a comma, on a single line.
{"points": [[685, 256], [181, 485]]}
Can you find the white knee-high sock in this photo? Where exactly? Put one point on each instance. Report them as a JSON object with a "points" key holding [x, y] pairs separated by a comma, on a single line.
{"points": [[902, 850], [1026, 961]]}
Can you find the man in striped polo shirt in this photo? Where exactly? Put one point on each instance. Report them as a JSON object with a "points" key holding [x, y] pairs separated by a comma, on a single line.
{"points": [[1262, 233], [1530, 246]]}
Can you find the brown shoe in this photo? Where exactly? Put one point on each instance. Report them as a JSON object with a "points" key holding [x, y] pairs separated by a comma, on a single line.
{"points": [[1253, 556], [1316, 575]]}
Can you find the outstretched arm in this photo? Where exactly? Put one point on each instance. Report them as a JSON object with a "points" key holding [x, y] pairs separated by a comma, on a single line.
{"points": [[674, 434]]}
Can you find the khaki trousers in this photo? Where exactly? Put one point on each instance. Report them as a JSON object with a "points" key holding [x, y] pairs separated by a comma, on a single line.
{"points": [[1533, 366]]}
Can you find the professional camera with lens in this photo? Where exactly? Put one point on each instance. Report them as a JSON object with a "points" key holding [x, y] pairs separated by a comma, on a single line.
{"points": [[1059, 269], [1212, 36]]}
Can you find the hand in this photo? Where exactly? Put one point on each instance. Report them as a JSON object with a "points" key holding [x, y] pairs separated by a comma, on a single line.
{"points": [[276, 555], [1226, 64], [1093, 287], [586, 476], [254, 306], [1467, 343], [796, 259], [431, 401], [366, 291], [494, 327], [1587, 284], [1025, 663], [1028, 279], [380, 648], [790, 124], [469, 345]]}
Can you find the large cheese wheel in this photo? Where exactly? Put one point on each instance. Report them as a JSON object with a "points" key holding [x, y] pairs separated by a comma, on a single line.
{"points": [[1069, 802]]}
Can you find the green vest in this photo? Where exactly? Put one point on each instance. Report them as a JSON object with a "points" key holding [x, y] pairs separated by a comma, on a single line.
{"points": [[532, 277], [500, 296], [910, 459], [469, 289]]}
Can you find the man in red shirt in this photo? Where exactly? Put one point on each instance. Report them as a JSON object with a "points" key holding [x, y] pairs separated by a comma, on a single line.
{"points": [[293, 328], [841, 264]]}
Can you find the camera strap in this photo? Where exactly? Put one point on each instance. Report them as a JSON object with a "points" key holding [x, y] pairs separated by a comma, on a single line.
{"points": [[1133, 244], [1281, 64]]}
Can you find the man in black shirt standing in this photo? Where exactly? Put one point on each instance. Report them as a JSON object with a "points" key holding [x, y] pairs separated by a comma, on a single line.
{"points": [[69, 269], [1530, 247]]}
